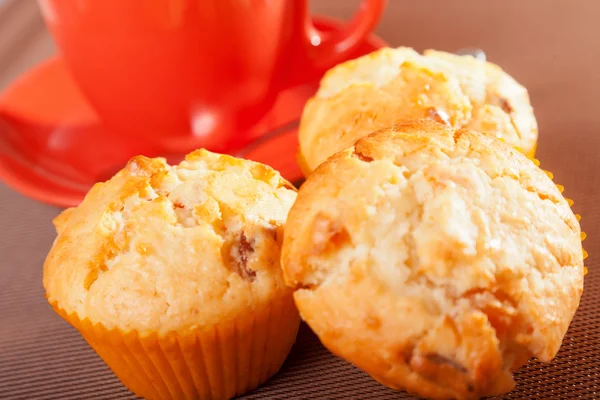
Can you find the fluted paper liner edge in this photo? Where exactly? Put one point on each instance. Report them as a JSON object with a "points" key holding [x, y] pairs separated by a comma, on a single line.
{"points": [[220, 362]]}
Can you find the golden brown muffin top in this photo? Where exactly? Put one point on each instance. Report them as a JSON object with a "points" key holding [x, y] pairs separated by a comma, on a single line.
{"points": [[162, 248], [437, 260], [394, 85]]}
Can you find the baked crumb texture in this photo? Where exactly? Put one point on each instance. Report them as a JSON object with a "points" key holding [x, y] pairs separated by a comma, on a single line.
{"points": [[162, 248], [394, 85], [437, 260]]}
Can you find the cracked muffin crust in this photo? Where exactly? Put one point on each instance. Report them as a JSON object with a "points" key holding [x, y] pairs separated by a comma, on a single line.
{"points": [[394, 85], [163, 248], [172, 274], [437, 260]]}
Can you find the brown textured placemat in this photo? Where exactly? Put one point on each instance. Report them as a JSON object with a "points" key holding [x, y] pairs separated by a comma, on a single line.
{"points": [[42, 357], [550, 45]]}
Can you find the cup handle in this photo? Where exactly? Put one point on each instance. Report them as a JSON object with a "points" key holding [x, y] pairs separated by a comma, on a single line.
{"points": [[328, 50]]}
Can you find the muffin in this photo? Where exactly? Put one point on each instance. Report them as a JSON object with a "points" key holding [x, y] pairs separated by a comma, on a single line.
{"points": [[394, 85], [172, 274], [437, 260]]}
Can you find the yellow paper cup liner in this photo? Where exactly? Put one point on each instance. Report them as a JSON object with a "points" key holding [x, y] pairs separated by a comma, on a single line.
{"points": [[531, 153], [221, 362]]}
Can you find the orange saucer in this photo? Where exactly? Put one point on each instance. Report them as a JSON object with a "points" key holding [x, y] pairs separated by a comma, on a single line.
{"points": [[53, 146]]}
